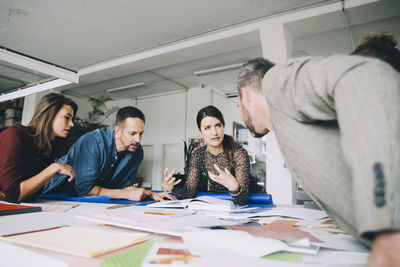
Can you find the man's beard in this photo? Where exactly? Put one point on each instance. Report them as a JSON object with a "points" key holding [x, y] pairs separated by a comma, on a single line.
{"points": [[249, 124], [127, 148]]}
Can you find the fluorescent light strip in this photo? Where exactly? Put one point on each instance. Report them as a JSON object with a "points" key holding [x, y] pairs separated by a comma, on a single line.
{"points": [[33, 89], [161, 94], [218, 69], [126, 87]]}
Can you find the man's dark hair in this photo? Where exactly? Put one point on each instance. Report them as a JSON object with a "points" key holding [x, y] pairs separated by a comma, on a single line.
{"points": [[128, 112], [381, 46], [252, 73]]}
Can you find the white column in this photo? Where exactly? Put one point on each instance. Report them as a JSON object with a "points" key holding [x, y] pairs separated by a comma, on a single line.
{"points": [[30, 103], [279, 180], [277, 43]]}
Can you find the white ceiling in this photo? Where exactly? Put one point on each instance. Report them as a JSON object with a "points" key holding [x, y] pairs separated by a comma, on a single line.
{"points": [[76, 33], [81, 35]]}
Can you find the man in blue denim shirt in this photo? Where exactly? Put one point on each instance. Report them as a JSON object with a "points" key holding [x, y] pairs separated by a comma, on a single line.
{"points": [[106, 161]]}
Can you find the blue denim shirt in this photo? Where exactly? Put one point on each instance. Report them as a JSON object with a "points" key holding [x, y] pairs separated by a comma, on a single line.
{"points": [[93, 158]]}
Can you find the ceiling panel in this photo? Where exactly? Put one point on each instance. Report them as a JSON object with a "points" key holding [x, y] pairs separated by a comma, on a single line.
{"points": [[77, 33], [13, 77]]}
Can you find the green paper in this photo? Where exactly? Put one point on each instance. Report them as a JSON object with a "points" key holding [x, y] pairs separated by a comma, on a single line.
{"points": [[132, 257], [283, 256]]}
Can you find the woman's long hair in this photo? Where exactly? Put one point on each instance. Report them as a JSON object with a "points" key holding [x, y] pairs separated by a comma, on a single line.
{"points": [[227, 142], [40, 127]]}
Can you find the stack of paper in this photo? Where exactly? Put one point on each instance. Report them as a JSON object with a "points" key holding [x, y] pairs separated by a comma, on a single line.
{"points": [[78, 241]]}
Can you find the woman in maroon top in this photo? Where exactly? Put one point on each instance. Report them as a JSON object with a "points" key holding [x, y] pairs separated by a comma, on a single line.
{"points": [[27, 152]]}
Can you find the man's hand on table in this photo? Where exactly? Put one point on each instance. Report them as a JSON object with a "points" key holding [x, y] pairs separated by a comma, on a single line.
{"points": [[162, 196], [385, 250], [137, 194]]}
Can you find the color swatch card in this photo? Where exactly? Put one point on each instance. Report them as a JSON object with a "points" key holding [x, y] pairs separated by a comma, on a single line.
{"points": [[278, 230], [85, 242], [168, 254]]}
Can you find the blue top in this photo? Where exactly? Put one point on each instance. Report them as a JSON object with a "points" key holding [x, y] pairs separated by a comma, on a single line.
{"points": [[93, 158]]}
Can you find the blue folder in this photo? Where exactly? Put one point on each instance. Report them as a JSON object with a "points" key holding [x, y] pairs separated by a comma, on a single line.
{"points": [[95, 199], [255, 199]]}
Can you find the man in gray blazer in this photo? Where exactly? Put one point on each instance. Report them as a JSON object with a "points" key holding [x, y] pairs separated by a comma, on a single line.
{"points": [[337, 121]]}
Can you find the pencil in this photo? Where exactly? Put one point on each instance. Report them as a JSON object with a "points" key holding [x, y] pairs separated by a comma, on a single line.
{"points": [[127, 205], [159, 213], [34, 231]]}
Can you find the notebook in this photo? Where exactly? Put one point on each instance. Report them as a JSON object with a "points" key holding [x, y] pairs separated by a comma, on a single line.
{"points": [[199, 203], [8, 209]]}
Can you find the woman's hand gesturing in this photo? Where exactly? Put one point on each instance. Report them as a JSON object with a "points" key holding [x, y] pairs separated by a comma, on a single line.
{"points": [[169, 180]]}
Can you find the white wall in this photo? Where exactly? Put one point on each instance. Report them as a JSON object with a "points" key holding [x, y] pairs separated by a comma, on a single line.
{"points": [[165, 117], [228, 108], [197, 98]]}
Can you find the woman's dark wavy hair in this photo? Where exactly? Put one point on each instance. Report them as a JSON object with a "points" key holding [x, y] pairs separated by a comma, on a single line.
{"points": [[227, 142], [40, 127]]}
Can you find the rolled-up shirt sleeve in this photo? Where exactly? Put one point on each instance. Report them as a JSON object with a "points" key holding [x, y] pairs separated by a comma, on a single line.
{"points": [[87, 164]]}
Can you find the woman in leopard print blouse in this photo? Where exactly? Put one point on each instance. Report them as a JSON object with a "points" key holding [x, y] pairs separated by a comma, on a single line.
{"points": [[222, 160]]}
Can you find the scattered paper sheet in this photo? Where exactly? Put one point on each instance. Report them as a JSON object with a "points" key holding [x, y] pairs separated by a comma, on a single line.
{"points": [[342, 258], [12, 256], [238, 242], [174, 226], [294, 212], [278, 230], [339, 241], [212, 258], [78, 241], [290, 212], [125, 216]]}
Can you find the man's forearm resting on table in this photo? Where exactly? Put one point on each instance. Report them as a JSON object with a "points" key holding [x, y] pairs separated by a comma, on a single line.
{"points": [[125, 193]]}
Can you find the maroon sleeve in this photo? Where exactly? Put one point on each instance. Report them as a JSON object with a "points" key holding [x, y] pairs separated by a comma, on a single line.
{"points": [[13, 141]]}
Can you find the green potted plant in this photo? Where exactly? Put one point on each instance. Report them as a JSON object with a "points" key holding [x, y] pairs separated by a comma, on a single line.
{"points": [[94, 119]]}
